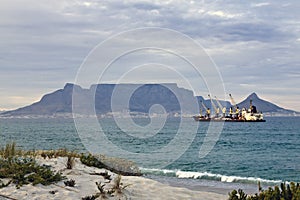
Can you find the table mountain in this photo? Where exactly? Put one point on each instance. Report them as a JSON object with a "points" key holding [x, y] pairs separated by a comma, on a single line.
{"points": [[141, 98], [99, 97]]}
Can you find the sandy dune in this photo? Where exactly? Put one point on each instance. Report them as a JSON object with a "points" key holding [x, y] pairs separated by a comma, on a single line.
{"points": [[138, 188]]}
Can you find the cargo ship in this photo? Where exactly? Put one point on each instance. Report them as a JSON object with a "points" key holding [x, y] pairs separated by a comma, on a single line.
{"points": [[234, 115]]}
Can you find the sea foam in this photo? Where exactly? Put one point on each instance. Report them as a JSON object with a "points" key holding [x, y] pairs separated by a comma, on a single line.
{"points": [[207, 176]]}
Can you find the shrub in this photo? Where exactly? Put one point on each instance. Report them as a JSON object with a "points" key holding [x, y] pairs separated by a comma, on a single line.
{"points": [[286, 192], [116, 165], [91, 161], [92, 197], [100, 187], [70, 183], [102, 193], [53, 191], [70, 162], [116, 189], [24, 170], [237, 195], [105, 175], [58, 153]]}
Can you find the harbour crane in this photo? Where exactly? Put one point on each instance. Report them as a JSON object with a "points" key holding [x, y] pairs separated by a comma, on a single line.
{"points": [[220, 106], [215, 107], [233, 102], [218, 102], [212, 103], [204, 106], [237, 111]]}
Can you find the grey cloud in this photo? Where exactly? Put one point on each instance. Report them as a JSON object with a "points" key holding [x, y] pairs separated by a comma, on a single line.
{"points": [[252, 32], [145, 6], [254, 42]]}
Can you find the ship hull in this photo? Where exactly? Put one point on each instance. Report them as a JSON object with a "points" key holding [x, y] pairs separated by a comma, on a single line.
{"points": [[202, 119]]}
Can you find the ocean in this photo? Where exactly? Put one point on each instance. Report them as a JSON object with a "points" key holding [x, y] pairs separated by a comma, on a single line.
{"points": [[243, 154]]}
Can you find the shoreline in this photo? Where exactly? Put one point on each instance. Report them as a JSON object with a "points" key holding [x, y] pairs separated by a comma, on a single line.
{"points": [[204, 185], [137, 187]]}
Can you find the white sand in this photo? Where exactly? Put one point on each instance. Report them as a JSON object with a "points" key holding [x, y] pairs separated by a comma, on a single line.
{"points": [[139, 188]]}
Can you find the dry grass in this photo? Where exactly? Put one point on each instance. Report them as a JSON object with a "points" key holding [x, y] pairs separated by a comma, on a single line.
{"points": [[58, 153], [118, 186]]}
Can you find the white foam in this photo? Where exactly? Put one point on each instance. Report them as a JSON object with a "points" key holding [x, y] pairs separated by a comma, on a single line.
{"points": [[231, 179], [208, 175], [195, 175], [163, 171]]}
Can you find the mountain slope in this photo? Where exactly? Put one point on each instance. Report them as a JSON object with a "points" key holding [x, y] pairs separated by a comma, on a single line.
{"points": [[263, 105], [59, 101]]}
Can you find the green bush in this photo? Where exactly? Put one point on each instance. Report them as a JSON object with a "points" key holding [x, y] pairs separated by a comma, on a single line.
{"points": [[24, 170], [285, 192], [91, 161], [237, 195]]}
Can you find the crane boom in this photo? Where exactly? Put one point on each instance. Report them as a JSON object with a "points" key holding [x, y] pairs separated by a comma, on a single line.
{"points": [[212, 103], [218, 102], [232, 102], [203, 105]]}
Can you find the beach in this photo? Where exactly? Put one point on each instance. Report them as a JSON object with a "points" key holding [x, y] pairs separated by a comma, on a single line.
{"points": [[132, 187]]}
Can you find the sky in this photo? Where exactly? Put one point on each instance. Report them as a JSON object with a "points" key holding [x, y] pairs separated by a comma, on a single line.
{"points": [[255, 45]]}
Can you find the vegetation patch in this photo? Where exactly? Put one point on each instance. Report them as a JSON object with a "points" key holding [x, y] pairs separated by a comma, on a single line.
{"points": [[116, 165], [284, 192], [70, 183], [91, 161], [58, 153], [70, 162], [21, 169]]}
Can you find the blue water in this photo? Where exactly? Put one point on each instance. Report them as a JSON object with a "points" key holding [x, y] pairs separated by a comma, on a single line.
{"points": [[40, 134], [244, 152]]}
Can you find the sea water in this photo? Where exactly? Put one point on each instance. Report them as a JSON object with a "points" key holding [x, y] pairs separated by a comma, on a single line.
{"points": [[244, 153]]}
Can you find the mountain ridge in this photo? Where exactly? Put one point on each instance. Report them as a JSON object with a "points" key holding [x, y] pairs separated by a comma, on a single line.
{"points": [[142, 99]]}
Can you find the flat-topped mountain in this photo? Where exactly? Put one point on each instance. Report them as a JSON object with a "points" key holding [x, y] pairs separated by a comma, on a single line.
{"points": [[99, 99], [102, 99]]}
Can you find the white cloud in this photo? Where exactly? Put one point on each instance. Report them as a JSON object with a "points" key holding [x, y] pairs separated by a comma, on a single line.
{"points": [[222, 14], [260, 4]]}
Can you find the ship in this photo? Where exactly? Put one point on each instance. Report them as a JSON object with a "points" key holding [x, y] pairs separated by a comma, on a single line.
{"points": [[234, 115]]}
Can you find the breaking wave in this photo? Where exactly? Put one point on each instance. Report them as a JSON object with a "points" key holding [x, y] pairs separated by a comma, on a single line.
{"points": [[207, 176]]}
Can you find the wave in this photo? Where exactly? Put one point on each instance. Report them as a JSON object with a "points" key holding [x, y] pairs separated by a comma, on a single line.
{"points": [[207, 176]]}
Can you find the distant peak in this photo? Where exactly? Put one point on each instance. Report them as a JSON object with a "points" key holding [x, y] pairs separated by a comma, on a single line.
{"points": [[68, 85], [253, 95], [71, 86]]}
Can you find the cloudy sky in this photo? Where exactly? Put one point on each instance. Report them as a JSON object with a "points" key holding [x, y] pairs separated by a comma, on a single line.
{"points": [[254, 44]]}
